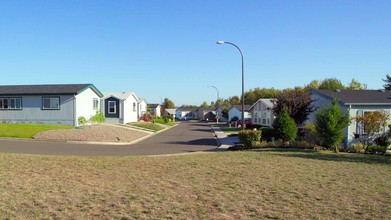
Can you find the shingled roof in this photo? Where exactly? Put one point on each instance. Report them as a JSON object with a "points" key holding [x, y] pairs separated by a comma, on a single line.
{"points": [[153, 105], [239, 107], [54, 89], [371, 97]]}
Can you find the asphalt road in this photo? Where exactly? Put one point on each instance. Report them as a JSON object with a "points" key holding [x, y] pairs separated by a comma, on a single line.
{"points": [[184, 138]]}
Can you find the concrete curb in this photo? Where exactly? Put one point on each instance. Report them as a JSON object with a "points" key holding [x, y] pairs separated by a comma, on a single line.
{"points": [[150, 134], [221, 146]]}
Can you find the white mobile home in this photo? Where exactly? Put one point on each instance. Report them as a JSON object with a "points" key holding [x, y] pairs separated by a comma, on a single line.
{"points": [[120, 107]]}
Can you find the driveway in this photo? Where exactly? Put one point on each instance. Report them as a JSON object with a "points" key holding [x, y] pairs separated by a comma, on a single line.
{"points": [[184, 138]]}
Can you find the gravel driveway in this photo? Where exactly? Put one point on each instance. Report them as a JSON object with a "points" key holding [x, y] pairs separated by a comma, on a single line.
{"points": [[93, 133]]}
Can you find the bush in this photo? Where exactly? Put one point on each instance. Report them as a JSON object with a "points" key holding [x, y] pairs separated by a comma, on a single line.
{"points": [[376, 149], [167, 118], [81, 120], [146, 117], [235, 118], [97, 118], [284, 126], [249, 138], [356, 148], [382, 140], [267, 134], [310, 133]]}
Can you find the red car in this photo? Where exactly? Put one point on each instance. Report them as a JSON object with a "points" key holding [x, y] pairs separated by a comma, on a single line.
{"points": [[247, 122]]}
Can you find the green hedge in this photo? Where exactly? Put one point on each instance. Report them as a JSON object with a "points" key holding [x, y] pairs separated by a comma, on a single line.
{"points": [[249, 138]]}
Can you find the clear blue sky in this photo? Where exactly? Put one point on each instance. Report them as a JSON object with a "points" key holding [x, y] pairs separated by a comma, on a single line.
{"points": [[167, 48]]}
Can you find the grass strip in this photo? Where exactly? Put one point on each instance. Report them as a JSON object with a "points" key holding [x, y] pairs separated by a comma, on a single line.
{"points": [[26, 130], [148, 125]]}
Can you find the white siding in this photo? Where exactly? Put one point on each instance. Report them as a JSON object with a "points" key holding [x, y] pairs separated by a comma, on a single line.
{"points": [[85, 104], [235, 112], [129, 114]]}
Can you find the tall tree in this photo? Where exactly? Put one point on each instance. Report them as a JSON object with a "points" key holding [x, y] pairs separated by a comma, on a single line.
{"points": [[387, 80], [251, 96], [204, 105], [330, 122], [354, 85], [167, 103], [284, 126], [234, 100], [314, 84], [331, 83], [298, 104]]}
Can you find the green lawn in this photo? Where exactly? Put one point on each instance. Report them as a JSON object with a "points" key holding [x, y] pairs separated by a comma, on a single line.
{"points": [[161, 121], [267, 184], [231, 130], [148, 125], [26, 130]]}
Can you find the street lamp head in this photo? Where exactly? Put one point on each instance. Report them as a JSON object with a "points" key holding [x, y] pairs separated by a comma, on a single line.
{"points": [[220, 42]]}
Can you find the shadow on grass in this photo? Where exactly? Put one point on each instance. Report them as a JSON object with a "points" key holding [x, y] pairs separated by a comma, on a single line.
{"points": [[329, 156]]}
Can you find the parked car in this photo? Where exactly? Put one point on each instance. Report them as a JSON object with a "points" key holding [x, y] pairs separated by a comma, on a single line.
{"points": [[187, 117], [247, 122]]}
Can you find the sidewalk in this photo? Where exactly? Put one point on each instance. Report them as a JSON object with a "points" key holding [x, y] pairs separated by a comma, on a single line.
{"points": [[223, 140]]}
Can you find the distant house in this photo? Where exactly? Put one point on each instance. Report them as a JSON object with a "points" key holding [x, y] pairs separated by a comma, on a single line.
{"points": [[120, 107], [187, 112], [219, 112], [236, 111], [170, 111], [155, 109], [261, 112], [205, 114], [48, 104], [142, 107], [354, 102]]}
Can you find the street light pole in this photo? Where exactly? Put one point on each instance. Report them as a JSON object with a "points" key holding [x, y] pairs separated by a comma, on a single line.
{"points": [[218, 97], [241, 54], [218, 94]]}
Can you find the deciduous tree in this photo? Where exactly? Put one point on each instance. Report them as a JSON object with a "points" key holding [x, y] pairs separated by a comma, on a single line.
{"points": [[373, 122], [298, 104], [354, 85], [331, 83]]}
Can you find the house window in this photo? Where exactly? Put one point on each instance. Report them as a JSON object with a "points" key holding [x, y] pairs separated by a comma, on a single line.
{"points": [[134, 107], [10, 103], [52, 103], [95, 102], [112, 107]]}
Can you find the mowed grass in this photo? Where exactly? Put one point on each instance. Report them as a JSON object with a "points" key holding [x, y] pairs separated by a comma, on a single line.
{"points": [[161, 121], [148, 125], [229, 185], [231, 130], [26, 130]]}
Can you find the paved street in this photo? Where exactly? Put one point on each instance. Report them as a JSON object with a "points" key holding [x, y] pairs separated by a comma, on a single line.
{"points": [[184, 138]]}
